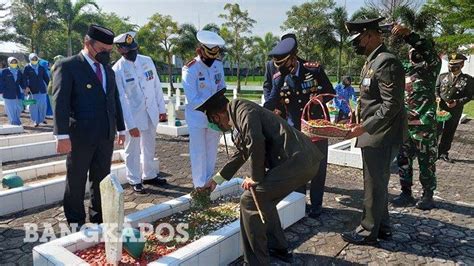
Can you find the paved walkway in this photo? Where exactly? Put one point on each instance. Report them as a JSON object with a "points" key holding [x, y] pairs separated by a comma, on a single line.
{"points": [[441, 236]]}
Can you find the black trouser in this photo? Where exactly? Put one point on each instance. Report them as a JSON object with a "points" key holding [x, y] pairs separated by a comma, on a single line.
{"points": [[448, 129], [93, 158], [316, 191], [376, 168]]}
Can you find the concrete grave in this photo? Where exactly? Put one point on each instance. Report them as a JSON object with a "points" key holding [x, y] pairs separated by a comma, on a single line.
{"points": [[345, 153], [223, 244], [10, 129]]}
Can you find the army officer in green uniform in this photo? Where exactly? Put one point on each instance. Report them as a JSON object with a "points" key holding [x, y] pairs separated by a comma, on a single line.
{"points": [[281, 159], [382, 128], [454, 89]]}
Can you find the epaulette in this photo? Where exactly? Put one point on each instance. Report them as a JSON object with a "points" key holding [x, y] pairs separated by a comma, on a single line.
{"points": [[311, 65], [190, 63], [276, 75]]}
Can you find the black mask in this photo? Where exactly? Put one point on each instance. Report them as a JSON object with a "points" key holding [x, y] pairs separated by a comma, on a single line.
{"points": [[103, 57], [357, 47], [208, 61], [454, 68], [131, 55]]}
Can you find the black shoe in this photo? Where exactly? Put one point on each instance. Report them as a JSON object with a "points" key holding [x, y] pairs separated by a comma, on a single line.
{"points": [[282, 254], [315, 212], [138, 188], [426, 202], [403, 200], [157, 181], [45, 122], [355, 238], [36, 125], [445, 158], [385, 235]]}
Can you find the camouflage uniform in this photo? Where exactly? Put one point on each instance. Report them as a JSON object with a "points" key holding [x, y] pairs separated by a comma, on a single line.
{"points": [[420, 102]]}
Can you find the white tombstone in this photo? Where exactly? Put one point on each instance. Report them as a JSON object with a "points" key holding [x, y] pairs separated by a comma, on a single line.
{"points": [[169, 91], [171, 113], [235, 93], [112, 213], [262, 100], [178, 98]]}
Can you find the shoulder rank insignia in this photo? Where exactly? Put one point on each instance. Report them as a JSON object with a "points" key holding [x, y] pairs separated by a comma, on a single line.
{"points": [[311, 64], [277, 75], [190, 63], [388, 85]]}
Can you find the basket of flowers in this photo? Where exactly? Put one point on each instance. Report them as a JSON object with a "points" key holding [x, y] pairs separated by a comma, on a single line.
{"points": [[323, 128], [441, 115]]}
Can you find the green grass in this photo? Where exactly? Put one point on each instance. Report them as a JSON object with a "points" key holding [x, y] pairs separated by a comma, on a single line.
{"points": [[469, 109]]}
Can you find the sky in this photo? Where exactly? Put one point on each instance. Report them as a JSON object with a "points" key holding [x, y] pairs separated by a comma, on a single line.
{"points": [[269, 14]]}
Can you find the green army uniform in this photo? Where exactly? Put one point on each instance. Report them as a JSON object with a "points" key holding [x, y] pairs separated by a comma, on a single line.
{"points": [[450, 88], [420, 102], [281, 159]]}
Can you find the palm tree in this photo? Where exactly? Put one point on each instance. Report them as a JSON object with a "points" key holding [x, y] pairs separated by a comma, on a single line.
{"points": [[421, 21], [339, 17], [265, 45], [73, 18], [186, 41]]}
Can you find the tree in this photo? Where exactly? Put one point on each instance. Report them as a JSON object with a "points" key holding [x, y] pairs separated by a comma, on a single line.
{"points": [[31, 20], [454, 23], [311, 23], [365, 13], [238, 23], [387, 8], [74, 18], [265, 45], [186, 42], [339, 17], [158, 38]]}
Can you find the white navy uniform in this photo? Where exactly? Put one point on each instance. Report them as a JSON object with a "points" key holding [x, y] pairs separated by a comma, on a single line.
{"points": [[142, 102], [199, 83]]}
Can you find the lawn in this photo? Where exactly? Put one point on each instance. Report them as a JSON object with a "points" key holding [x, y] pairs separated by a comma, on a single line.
{"points": [[469, 109]]}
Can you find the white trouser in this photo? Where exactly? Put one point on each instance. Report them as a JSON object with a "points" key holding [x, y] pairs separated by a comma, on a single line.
{"points": [[203, 144], [139, 155]]}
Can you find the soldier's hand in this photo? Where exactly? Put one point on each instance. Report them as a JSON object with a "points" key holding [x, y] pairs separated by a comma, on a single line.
{"points": [[451, 104], [211, 185], [356, 131], [277, 111], [63, 146], [163, 118], [248, 183], [284, 70], [121, 140], [134, 132], [399, 30]]}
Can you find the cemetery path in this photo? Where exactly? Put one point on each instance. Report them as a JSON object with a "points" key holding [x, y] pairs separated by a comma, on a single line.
{"points": [[441, 236]]}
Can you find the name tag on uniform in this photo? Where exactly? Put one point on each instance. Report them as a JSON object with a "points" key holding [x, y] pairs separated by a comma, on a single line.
{"points": [[366, 82], [130, 79]]}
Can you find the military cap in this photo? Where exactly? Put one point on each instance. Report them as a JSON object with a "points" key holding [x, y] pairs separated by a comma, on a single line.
{"points": [[101, 34], [456, 59], [358, 26], [213, 103], [126, 40], [283, 49], [210, 39]]}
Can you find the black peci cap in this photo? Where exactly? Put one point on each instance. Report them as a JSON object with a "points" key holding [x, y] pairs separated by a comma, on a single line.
{"points": [[101, 34]]}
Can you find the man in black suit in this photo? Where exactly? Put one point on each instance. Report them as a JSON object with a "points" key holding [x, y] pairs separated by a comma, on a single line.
{"points": [[87, 116]]}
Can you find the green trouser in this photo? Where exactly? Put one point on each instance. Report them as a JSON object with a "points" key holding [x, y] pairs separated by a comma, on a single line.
{"points": [[376, 164], [421, 144], [257, 237]]}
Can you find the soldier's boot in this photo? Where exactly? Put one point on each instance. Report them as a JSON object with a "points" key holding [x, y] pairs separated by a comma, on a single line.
{"points": [[404, 199], [426, 202]]}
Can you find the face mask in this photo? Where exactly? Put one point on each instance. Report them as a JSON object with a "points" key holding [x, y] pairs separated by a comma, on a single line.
{"points": [[13, 65], [454, 69], [208, 61], [213, 126], [34, 62], [131, 55], [102, 57], [357, 47]]}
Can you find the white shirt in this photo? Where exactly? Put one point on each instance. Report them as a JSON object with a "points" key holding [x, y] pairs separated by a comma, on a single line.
{"points": [[94, 68], [200, 82], [140, 91]]}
